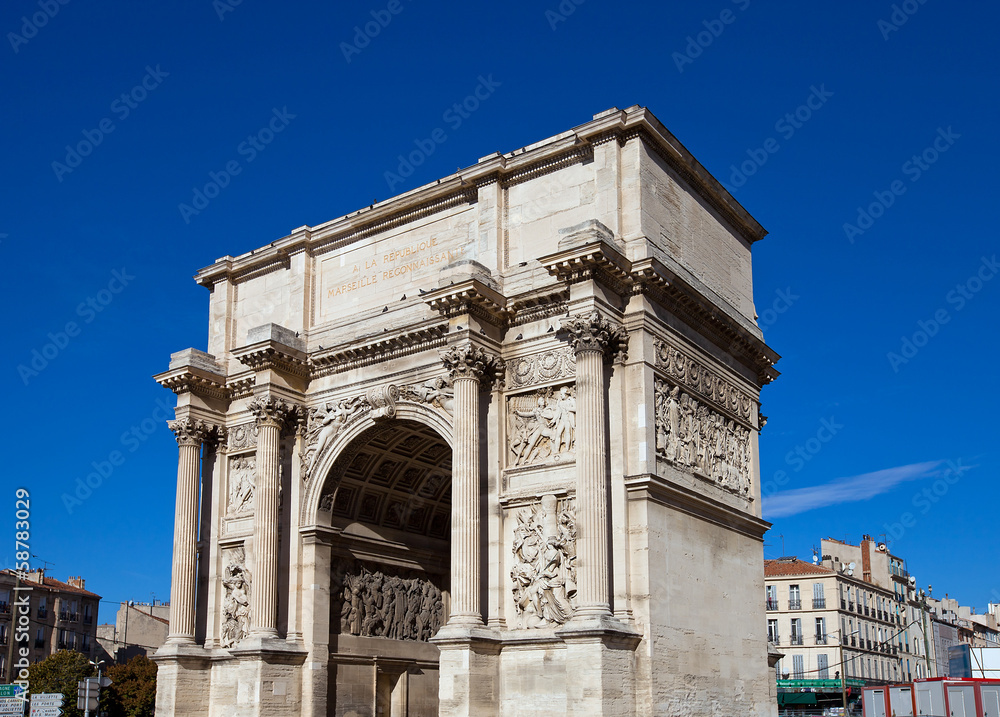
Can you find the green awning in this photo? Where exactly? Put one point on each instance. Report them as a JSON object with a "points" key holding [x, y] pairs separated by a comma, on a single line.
{"points": [[797, 698]]}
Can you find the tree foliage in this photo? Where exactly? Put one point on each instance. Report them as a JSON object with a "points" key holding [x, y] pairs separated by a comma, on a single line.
{"points": [[59, 672], [133, 689]]}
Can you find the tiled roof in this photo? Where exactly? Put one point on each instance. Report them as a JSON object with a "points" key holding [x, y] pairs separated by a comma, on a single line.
{"points": [[779, 568], [55, 585]]}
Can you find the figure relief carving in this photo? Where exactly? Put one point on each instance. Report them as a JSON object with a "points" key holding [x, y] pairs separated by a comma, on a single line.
{"points": [[242, 482], [468, 361], [539, 368], [592, 332], [542, 426], [236, 603], [544, 573], [190, 432], [700, 379], [243, 436], [691, 435], [270, 411], [323, 424], [438, 392], [397, 604]]}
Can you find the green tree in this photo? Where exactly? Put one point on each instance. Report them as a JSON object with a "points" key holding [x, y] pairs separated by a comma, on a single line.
{"points": [[133, 689], [59, 672]]}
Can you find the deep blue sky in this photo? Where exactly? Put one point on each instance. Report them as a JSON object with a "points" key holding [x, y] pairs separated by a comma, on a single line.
{"points": [[847, 305]]}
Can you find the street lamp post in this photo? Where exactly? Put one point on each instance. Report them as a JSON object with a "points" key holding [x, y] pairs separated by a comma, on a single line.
{"points": [[843, 668]]}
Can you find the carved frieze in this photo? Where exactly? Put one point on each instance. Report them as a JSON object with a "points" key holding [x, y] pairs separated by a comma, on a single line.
{"points": [[700, 379], [539, 368], [236, 602], [243, 436], [544, 572], [386, 602], [541, 426], [692, 436], [242, 483]]}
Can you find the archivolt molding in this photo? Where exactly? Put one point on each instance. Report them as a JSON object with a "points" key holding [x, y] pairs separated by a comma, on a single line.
{"points": [[694, 375], [323, 453]]}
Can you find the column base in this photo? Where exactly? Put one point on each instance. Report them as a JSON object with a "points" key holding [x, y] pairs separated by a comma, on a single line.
{"points": [[182, 679], [600, 666], [469, 677]]}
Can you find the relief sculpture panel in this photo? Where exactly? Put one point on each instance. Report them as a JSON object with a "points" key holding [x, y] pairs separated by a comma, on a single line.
{"points": [[242, 482], [544, 573], [542, 426], [691, 435], [236, 603], [693, 375], [386, 602]]}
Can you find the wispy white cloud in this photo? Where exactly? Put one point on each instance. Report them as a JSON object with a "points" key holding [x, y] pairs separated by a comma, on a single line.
{"points": [[844, 490]]}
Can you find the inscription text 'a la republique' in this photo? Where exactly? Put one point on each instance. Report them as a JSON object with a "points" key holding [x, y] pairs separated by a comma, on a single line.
{"points": [[380, 267]]}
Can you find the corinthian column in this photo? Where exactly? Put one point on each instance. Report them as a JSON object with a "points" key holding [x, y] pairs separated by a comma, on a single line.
{"points": [[594, 340], [470, 367], [184, 573], [270, 414]]}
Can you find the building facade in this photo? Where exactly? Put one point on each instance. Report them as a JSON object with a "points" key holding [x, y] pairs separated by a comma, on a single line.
{"points": [[139, 629], [60, 615], [486, 448]]}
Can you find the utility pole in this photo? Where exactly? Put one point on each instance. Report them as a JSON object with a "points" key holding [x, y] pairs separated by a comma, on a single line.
{"points": [[9, 672]]}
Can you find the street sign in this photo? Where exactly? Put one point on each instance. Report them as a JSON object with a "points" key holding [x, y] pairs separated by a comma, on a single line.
{"points": [[48, 699], [11, 706], [45, 712], [10, 690]]}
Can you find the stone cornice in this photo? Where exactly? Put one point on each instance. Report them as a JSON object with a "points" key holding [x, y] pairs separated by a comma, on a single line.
{"points": [[664, 287], [470, 297], [353, 355], [190, 379], [665, 492], [596, 260], [270, 354], [460, 188]]}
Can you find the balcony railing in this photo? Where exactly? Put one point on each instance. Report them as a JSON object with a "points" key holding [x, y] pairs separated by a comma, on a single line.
{"points": [[850, 606], [843, 604], [39, 643], [853, 642], [819, 603], [772, 604], [794, 604], [820, 639], [88, 619], [42, 613], [775, 638], [4, 608], [796, 639], [843, 639], [3, 639]]}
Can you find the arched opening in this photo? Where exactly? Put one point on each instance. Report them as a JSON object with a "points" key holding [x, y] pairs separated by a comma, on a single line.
{"points": [[388, 497]]}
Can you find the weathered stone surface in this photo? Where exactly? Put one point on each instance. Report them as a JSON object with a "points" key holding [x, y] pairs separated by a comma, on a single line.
{"points": [[486, 448]]}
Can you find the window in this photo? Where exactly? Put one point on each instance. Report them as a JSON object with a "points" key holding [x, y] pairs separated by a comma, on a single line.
{"points": [[819, 599], [822, 662], [794, 598], [796, 631], [772, 631], [3, 633], [88, 613], [820, 630], [40, 637], [772, 597], [798, 667], [43, 610]]}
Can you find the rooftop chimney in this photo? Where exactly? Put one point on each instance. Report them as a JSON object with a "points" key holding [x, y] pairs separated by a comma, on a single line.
{"points": [[77, 582]]}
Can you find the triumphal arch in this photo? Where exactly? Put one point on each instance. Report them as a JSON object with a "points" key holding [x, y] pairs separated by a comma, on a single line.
{"points": [[488, 447]]}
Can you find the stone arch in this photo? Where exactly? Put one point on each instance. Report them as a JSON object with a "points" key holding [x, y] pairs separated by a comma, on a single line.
{"points": [[328, 455]]}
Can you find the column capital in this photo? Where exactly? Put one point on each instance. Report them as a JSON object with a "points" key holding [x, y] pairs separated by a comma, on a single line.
{"points": [[189, 431], [468, 361], [592, 332], [270, 411]]}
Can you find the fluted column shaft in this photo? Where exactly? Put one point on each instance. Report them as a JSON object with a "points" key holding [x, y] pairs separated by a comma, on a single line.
{"points": [[469, 367], [184, 572], [465, 599], [593, 339], [591, 485], [270, 415]]}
